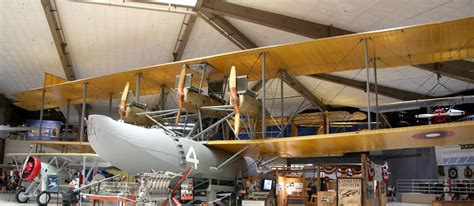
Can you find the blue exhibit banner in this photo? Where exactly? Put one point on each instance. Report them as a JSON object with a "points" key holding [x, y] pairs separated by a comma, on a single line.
{"points": [[51, 129], [52, 186]]}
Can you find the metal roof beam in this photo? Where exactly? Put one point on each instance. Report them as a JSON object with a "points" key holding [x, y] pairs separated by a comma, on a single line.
{"points": [[273, 20], [59, 41], [382, 90], [227, 29], [460, 69], [183, 39], [291, 81]]}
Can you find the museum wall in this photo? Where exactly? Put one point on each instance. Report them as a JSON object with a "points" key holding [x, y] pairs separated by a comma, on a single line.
{"points": [[413, 164]]}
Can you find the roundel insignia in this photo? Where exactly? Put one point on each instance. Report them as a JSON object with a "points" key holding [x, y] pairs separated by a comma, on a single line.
{"points": [[433, 135], [467, 172], [453, 173]]}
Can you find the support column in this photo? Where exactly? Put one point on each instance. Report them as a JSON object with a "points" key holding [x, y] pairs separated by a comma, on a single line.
{"points": [[327, 124], [363, 167], [200, 123], [162, 97], [84, 179], [41, 113], [3, 142], [203, 75], [428, 111], [83, 173], [111, 96], [294, 129], [137, 88], [376, 95], [366, 56], [282, 103], [318, 178], [83, 112], [264, 118], [67, 118]]}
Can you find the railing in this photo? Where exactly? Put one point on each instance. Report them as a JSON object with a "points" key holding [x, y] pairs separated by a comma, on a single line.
{"points": [[110, 186], [117, 188], [436, 186]]}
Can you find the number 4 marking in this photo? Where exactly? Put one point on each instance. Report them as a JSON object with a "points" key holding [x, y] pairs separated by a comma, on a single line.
{"points": [[192, 158]]}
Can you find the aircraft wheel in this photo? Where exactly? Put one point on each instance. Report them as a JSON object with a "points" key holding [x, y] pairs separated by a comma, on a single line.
{"points": [[21, 196], [43, 198]]}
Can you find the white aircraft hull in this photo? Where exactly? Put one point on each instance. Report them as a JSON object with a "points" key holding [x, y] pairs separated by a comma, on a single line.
{"points": [[137, 150]]}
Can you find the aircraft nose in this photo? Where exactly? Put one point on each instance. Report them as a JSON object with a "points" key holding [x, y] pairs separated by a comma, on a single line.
{"points": [[94, 125]]}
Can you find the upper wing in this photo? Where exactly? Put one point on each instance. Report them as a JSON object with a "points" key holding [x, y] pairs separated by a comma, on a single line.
{"points": [[362, 141], [436, 42]]}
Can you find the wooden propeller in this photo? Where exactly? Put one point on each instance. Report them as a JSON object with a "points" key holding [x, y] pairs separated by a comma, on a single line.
{"points": [[123, 101], [234, 99], [182, 77]]}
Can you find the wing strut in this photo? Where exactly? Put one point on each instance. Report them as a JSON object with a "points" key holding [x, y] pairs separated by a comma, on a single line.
{"points": [[214, 125], [232, 158]]}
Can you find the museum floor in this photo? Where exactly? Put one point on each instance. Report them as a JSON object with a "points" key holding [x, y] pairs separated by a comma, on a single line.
{"points": [[5, 197]]}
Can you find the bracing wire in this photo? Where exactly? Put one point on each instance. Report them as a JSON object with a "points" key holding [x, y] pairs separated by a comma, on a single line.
{"points": [[337, 65], [254, 63]]}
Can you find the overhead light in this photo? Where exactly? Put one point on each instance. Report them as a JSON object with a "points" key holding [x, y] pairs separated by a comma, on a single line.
{"points": [[322, 10]]}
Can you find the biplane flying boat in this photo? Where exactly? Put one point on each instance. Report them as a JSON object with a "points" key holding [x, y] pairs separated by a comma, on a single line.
{"points": [[159, 147]]}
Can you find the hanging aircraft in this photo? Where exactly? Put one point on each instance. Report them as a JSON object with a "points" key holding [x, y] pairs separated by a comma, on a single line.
{"points": [[442, 107], [423, 103], [161, 148], [442, 114]]}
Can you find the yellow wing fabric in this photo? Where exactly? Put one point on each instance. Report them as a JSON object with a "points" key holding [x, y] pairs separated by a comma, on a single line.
{"points": [[421, 44], [363, 141]]}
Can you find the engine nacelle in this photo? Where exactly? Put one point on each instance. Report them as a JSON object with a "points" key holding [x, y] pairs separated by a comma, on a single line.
{"points": [[32, 169]]}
